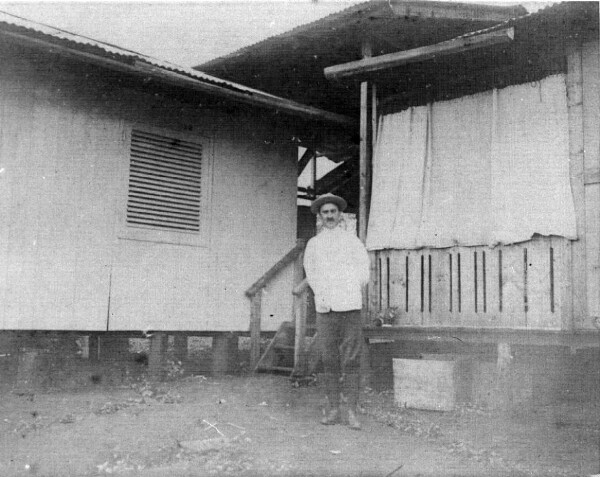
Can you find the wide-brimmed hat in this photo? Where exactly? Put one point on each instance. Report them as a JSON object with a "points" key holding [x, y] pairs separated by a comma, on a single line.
{"points": [[328, 199]]}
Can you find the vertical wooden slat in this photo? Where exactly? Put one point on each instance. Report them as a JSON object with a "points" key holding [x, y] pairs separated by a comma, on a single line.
{"points": [[299, 314], [440, 284], [364, 152], [396, 278], [414, 315], [468, 315], [491, 317], [540, 287], [372, 295], [563, 272], [513, 314], [576, 163]]}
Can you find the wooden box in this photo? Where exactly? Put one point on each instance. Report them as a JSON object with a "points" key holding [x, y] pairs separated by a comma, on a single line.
{"points": [[433, 383]]}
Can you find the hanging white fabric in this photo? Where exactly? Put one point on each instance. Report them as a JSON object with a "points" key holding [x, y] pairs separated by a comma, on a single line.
{"points": [[484, 169]]}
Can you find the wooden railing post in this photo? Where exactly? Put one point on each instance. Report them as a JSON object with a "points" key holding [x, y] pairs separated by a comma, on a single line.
{"points": [[300, 314], [255, 312], [254, 293]]}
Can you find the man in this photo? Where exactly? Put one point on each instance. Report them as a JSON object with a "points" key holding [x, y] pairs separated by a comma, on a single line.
{"points": [[337, 266]]}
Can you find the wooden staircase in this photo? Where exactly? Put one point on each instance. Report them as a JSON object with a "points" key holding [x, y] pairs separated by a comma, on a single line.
{"points": [[280, 356], [292, 349]]}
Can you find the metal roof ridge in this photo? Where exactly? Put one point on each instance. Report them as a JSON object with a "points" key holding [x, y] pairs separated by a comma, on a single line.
{"points": [[138, 59]]}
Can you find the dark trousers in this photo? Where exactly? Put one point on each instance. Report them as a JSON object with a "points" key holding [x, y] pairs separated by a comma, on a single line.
{"points": [[340, 342]]}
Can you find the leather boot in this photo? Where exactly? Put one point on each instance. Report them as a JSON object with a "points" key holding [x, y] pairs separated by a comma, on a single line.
{"points": [[332, 391]]}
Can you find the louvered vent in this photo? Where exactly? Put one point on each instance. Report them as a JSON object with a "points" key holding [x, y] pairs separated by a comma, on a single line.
{"points": [[164, 183]]}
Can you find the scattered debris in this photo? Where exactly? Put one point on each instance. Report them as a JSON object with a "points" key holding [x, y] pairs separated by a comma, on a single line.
{"points": [[205, 445]]}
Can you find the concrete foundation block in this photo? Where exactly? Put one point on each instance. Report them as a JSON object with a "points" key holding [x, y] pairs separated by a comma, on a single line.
{"points": [[224, 353], [435, 384]]}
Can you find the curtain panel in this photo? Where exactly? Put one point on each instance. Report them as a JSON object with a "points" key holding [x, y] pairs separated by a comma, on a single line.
{"points": [[486, 169]]}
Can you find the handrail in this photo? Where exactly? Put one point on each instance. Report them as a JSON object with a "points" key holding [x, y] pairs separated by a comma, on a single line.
{"points": [[298, 289], [275, 269]]}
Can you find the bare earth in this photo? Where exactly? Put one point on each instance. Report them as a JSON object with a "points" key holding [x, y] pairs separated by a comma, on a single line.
{"points": [[101, 422]]}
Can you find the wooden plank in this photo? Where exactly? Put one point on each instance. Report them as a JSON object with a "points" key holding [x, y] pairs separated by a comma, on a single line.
{"points": [[396, 279], [300, 314], [384, 286], [440, 292], [393, 60], [468, 312], [275, 269], [563, 288], [372, 295], [414, 315], [447, 11], [365, 162], [582, 339], [591, 132], [513, 287], [576, 162], [592, 252], [492, 316], [542, 312]]}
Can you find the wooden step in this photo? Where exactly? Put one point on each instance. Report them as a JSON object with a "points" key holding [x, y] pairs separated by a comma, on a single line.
{"points": [[276, 368]]}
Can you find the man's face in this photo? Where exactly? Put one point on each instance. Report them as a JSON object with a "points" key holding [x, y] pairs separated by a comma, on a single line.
{"points": [[330, 215]]}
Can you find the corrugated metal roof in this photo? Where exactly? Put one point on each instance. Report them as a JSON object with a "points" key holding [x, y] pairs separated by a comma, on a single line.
{"points": [[19, 26], [390, 26], [371, 9]]}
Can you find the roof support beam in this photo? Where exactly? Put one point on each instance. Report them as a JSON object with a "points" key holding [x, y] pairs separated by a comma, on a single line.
{"points": [[305, 159], [445, 48]]}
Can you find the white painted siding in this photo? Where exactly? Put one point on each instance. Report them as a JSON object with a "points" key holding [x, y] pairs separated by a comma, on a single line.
{"points": [[64, 247]]}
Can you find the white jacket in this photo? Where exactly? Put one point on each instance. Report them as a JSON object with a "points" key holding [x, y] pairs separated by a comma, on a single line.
{"points": [[337, 265]]}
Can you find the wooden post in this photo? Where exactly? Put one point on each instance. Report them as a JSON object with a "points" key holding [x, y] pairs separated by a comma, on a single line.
{"points": [[180, 345], [366, 146], [255, 312], [299, 313], [156, 360], [576, 158], [224, 353], [365, 167]]}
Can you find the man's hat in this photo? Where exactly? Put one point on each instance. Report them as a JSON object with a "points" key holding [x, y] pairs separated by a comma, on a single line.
{"points": [[328, 199]]}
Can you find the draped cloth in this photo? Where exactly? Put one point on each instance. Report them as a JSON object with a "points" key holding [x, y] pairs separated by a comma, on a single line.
{"points": [[485, 169]]}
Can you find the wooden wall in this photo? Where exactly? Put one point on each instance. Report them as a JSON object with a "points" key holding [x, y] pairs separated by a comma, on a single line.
{"points": [[590, 76], [67, 258], [548, 283], [517, 286]]}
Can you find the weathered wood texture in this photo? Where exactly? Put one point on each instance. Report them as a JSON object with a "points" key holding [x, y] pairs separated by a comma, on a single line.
{"points": [[546, 283], [69, 261], [591, 141], [517, 286], [383, 63], [576, 164]]}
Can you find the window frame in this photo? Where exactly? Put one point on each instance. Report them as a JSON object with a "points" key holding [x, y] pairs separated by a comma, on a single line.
{"points": [[158, 235]]}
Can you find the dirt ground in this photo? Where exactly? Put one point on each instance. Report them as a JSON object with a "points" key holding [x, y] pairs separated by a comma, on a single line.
{"points": [[108, 419]]}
